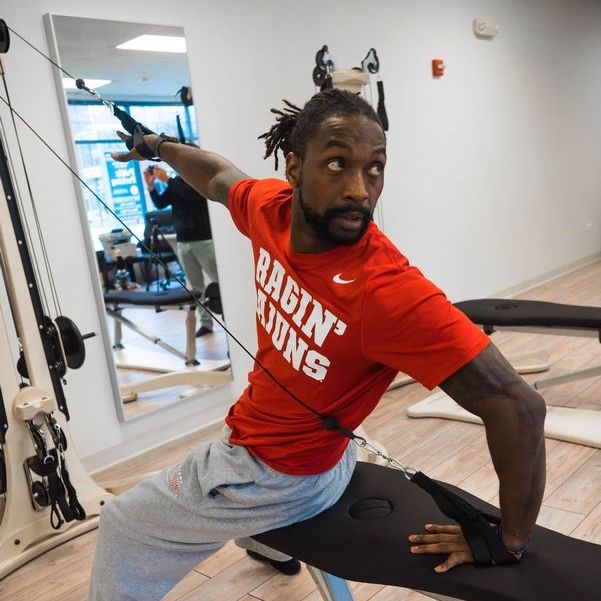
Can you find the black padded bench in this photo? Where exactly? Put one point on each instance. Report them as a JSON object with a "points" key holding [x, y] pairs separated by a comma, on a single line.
{"points": [[494, 314], [374, 548], [540, 318], [178, 297]]}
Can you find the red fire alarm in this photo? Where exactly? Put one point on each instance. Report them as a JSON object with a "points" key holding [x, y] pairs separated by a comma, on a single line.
{"points": [[437, 67]]}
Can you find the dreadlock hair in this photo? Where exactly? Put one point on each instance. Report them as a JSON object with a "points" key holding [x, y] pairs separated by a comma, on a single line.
{"points": [[294, 126]]}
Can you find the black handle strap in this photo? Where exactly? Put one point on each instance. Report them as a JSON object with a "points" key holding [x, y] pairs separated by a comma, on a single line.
{"points": [[56, 494], [128, 122], [381, 110], [479, 528], [77, 510]]}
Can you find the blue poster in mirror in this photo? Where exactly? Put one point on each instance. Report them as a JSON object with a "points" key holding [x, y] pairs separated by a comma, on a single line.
{"points": [[125, 189]]}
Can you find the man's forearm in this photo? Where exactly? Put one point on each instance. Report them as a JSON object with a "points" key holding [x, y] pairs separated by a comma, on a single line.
{"points": [[160, 201], [513, 414], [207, 172], [517, 447]]}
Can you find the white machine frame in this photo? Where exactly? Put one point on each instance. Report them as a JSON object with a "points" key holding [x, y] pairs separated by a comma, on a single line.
{"points": [[25, 529]]}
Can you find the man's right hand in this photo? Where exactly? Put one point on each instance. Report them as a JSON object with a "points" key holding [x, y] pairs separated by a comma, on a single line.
{"points": [[443, 540]]}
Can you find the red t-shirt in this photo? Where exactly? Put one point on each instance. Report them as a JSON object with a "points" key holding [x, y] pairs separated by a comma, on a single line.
{"points": [[334, 328]]}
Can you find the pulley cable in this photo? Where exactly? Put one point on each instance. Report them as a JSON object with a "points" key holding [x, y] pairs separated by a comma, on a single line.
{"points": [[48, 267], [38, 51], [26, 230], [81, 85]]}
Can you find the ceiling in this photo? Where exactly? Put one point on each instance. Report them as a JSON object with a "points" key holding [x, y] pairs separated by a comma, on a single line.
{"points": [[87, 49]]}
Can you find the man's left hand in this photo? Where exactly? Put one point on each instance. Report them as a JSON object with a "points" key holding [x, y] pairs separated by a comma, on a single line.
{"points": [[443, 540]]}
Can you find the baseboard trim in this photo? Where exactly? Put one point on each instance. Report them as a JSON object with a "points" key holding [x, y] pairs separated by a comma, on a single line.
{"points": [[545, 277]]}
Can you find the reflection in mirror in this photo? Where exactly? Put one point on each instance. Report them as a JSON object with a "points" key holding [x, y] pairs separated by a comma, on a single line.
{"points": [[160, 354]]}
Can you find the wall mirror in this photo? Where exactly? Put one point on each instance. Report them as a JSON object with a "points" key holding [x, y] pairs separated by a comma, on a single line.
{"points": [[161, 347]]}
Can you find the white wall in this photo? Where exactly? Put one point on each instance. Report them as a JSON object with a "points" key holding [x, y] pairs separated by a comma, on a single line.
{"points": [[493, 169]]}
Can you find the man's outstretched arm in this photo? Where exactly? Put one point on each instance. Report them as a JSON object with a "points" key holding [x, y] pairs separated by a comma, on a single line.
{"points": [[208, 173], [513, 414]]}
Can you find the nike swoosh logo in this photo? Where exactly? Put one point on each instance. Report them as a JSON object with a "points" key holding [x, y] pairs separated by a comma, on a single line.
{"points": [[338, 279]]}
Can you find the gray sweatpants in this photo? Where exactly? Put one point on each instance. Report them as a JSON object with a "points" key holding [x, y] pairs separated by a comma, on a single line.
{"points": [[150, 537]]}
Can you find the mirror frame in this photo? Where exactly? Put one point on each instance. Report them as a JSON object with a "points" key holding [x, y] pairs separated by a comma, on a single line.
{"points": [[89, 244]]}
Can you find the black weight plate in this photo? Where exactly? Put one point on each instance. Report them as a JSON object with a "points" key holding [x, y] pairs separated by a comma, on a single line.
{"points": [[73, 343]]}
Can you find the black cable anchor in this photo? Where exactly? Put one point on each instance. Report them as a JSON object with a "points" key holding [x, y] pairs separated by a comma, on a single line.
{"points": [[4, 37], [325, 67]]}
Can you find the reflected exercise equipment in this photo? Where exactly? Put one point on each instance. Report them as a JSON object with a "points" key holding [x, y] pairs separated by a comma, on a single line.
{"points": [[214, 373]]}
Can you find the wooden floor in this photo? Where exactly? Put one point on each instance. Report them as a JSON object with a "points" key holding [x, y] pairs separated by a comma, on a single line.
{"points": [[452, 451]]}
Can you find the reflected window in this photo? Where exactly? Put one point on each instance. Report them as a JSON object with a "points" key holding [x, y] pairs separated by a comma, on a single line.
{"points": [[164, 118], [120, 186]]}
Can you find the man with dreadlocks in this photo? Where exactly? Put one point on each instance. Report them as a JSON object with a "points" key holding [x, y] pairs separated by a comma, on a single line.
{"points": [[339, 312]]}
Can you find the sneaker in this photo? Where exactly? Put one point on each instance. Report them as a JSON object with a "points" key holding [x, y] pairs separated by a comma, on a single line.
{"points": [[202, 331], [290, 567]]}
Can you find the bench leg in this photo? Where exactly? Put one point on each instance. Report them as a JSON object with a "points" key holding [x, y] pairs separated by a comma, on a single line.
{"points": [[331, 587], [191, 336], [117, 344]]}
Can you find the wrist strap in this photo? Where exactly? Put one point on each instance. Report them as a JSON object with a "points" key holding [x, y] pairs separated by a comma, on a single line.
{"points": [[137, 141], [515, 551], [160, 139]]}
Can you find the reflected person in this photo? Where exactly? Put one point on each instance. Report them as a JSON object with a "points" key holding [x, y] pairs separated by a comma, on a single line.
{"points": [[195, 250]]}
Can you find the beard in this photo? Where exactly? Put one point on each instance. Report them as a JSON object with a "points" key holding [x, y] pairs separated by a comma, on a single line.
{"points": [[321, 222]]}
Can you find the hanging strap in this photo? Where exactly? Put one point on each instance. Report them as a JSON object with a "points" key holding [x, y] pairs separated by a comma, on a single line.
{"points": [[60, 510], [381, 106], [58, 499], [75, 509], [75, 506], [50, 465], [128, 122]]}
